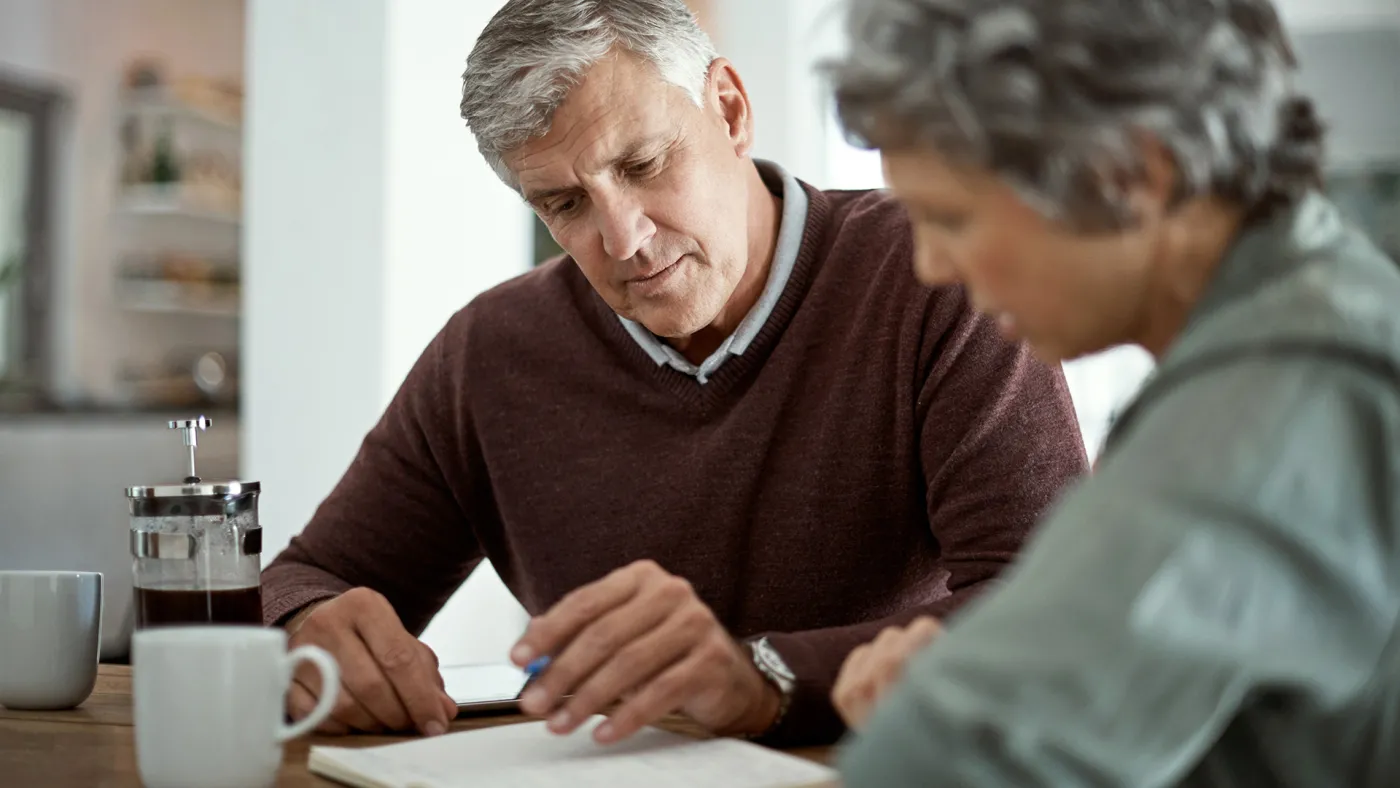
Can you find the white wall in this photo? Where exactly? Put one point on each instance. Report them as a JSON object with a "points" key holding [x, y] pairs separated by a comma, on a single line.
{"points": [[773, 45], [82, 47], [370, 219], [1302, 15]]}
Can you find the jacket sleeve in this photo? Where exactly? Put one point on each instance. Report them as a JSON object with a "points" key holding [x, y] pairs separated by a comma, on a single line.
{"points": [[1232, 545]]}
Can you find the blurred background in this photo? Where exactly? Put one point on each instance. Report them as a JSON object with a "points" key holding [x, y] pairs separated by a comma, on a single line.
{"points": [[262, 210]]}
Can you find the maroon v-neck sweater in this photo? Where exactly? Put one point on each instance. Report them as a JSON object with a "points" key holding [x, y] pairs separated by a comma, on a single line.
{"points": [[878, 452]]}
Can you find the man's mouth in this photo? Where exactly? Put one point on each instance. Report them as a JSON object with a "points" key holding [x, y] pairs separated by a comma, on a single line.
{"points": [[655, 272]]}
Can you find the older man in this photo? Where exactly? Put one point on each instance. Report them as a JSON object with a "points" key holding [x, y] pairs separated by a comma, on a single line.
{"points": [[721, 443]]}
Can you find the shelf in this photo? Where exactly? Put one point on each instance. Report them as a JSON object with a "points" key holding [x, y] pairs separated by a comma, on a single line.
{"points": [[149, 199], [154, 102], [169, 297]]}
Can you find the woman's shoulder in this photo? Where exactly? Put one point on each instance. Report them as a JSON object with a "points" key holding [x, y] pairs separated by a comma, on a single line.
{"points": [[1338, 296], [1320, 325]]}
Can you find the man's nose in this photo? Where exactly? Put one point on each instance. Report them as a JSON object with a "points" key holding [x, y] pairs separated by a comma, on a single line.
{"points": [[624, 226]]}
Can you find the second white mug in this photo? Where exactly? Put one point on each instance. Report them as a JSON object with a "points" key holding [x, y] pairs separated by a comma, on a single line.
{"points": [[209, 702], [50, 631]]}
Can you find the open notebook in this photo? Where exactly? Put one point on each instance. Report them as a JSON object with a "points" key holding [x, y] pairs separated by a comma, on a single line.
{"points": [[528, 756]]}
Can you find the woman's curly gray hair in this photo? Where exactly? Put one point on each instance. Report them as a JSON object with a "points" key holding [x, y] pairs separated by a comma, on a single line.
{"points": [[1053, 96]]}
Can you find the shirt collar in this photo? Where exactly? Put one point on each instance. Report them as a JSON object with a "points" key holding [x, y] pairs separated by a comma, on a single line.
{"points": [[791, 225]]}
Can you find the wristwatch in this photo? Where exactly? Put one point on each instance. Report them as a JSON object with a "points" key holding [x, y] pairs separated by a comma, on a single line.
{"points": [[775, 670]]}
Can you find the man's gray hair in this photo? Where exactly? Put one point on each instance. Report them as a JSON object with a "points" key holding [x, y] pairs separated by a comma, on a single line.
{"points": [[533, 52], [1052, 95]]}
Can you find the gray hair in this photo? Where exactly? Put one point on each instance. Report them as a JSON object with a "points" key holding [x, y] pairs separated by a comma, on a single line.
{"points": [[533, 52], [1050, 95]]}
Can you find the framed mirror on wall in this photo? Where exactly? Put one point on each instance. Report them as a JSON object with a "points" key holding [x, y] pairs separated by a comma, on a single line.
{"points": [[28, 126]]}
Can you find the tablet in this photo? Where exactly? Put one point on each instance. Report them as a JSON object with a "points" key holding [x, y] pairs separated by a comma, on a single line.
{"points": [[484, 688]]}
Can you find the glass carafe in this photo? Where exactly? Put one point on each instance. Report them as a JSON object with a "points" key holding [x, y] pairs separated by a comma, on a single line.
{"points": [[196, 548]]}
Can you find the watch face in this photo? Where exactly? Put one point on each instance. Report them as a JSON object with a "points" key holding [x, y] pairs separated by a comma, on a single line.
{"points": [[771, 662]]}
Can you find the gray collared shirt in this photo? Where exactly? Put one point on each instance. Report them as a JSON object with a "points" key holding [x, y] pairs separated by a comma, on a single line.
{"points": [[1217, 606], [790, 227]]}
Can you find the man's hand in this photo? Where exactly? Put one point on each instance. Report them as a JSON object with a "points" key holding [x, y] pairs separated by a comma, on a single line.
{"points": [[389, 679], [641, 637], [873, 668]]}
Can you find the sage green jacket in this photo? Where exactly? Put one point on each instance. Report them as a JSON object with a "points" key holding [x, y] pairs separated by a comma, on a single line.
{"points": [[1217, 605]]}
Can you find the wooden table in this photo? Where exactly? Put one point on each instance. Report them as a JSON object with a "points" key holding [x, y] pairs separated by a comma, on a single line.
{"points": [[94, 745]]}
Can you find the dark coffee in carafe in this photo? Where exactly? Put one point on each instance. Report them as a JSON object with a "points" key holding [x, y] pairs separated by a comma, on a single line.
{"points": [[173, 607]]}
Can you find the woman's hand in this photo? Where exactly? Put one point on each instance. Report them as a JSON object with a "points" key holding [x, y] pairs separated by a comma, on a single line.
{"points": [[873, 668]]}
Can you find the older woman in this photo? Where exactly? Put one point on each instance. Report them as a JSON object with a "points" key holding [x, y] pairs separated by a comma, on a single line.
{"points": [[1218, 604]]}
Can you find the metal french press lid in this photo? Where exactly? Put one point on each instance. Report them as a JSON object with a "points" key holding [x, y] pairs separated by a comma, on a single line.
{"points": [[194, 496]]}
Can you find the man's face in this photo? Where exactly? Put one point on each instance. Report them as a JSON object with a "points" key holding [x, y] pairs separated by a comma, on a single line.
{"points": [[647, 191]]}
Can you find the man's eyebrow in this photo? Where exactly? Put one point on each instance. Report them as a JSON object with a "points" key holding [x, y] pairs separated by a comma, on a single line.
{"points": [[543, 195], [642, 148], [634, 151]]}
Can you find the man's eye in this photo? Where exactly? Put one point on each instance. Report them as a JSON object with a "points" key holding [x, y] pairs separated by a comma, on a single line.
{"points": [[565, 207], [643, 169]]}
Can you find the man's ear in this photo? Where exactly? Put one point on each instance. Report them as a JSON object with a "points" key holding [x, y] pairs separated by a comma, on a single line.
{"points": [[725, 95]]}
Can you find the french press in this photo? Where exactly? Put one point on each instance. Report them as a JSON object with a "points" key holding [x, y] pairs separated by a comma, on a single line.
{"points": [[195, 547]]}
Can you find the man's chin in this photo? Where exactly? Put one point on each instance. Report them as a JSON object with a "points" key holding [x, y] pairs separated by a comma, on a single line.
{"points": [[670, 323]]}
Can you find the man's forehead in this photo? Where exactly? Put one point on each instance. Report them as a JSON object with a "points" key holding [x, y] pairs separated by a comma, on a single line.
{"points": [[620, 105], [559, 160]]}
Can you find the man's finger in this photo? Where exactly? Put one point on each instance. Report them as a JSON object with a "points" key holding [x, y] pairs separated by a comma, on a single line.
{"points": [[300, 703], [662, 695], [359, 705], [626, 669], [349, 710], [448, 705], [405, 664], [549, 633], [599, 644], [367, 683]]}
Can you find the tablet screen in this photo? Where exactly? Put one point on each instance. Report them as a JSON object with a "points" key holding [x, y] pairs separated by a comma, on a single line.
{"points": [[483, 686]]}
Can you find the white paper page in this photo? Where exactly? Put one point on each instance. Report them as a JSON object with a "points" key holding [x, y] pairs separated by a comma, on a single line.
{"points": [[528, 756], [478, 683]]}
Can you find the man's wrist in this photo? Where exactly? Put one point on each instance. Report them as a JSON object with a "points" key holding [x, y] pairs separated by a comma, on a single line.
{"points": [[298, 618], [764, 712], [770, 703]]}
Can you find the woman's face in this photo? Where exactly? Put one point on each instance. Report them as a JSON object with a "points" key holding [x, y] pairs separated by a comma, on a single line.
{"points": [[1067, 294]]}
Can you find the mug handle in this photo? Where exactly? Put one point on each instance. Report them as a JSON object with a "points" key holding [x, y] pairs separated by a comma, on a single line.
{"points": [[330, 689]]}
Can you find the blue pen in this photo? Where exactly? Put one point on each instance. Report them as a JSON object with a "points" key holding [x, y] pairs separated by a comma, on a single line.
{"points": [[535, 668]]}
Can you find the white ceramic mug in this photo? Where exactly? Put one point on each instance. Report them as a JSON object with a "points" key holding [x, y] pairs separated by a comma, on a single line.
{"points": [[209, 702], [50, 634]]}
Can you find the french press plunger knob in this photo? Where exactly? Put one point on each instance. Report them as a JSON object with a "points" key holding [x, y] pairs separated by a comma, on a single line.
{"points": [[190, 429]]}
